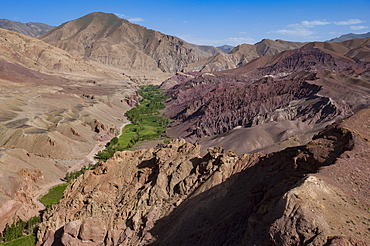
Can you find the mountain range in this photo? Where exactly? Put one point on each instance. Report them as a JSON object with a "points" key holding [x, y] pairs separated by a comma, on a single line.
{"points": [[31, 29], [271, 141], [350, 36]]}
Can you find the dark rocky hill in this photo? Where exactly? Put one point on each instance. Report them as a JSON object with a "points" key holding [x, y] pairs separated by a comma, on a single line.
{"points": [[32, 29], [305, 88]]}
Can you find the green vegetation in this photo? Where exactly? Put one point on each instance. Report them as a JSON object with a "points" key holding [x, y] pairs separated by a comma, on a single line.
{"points": [[147, 123], [71, 176], [54, 195], [29, 240], [20, 232]]}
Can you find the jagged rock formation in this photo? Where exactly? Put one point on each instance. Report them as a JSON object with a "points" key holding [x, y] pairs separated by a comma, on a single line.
{"points": [[303, 89], [109, 40], [316, 194], [241, 55], [55, 109], [31, 29]]}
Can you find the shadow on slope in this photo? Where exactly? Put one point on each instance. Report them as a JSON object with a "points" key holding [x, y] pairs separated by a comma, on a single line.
{"points": [[232, 213]]}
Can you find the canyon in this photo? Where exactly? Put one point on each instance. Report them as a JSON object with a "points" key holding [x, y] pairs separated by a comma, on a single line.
{"points": [[270, 141]]}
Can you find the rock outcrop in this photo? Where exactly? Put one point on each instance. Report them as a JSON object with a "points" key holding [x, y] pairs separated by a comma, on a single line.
{"points": [[316, 194]]}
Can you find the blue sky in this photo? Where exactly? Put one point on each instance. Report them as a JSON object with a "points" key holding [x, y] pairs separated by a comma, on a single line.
{"points": [[211, 22]]}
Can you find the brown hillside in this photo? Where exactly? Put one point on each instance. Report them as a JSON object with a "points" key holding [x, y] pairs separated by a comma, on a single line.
{"points": [[107, 39], [55, 111]]}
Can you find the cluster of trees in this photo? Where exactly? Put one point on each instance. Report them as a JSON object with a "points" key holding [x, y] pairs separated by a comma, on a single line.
{"points": [[73, 175], [147, 122], [20, 228]]}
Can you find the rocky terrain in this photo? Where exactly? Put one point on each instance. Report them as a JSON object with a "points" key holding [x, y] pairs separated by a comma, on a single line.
{"points": [[55, 109], [143, 54], [271, 99], [315, 194], [273, 144], [240, 55], [31, 29]]}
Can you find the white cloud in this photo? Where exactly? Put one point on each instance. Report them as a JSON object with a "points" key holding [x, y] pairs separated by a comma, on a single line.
{"points": [[302, 29], [216, 42], [358, 27], [349, 22], [135, 19], [121, 15], [131, 19], [334, 33], [301, 32], [314, 23]]}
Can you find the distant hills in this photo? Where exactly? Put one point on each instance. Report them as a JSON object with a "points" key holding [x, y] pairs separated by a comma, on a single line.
{"points": [[31, 29], [242, 54], [226, 48], [349, 37]]}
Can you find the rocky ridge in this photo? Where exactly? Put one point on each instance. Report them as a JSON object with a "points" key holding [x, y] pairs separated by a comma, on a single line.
{"points": [[173, 196], [241, 55]]}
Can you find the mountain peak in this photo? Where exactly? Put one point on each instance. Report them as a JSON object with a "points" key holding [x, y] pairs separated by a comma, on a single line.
{"points": [[107, 39]]}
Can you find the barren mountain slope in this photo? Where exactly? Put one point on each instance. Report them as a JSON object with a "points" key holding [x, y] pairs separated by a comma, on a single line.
{"points": [[315, 194], [42, 57], [242, 54], [107, 39], [314, 85], [31, 29], [51, 117]]}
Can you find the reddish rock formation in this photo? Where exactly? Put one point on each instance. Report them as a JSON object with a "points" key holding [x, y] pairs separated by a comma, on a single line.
{"points": [[315, 84]]}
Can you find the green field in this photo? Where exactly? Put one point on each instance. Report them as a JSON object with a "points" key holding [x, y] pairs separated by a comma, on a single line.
{"points": [[147, 123], [29, 240], [54, 195]]}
